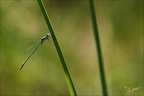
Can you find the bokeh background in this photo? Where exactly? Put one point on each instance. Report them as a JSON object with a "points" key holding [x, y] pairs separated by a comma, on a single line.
{"points": [[120, 25]]}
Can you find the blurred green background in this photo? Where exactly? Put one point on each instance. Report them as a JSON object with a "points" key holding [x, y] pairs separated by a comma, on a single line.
{"points": [[120, 25]]}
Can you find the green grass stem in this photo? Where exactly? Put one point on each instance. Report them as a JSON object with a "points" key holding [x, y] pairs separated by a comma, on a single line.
{"points": [[97, 40], [63, 62]]}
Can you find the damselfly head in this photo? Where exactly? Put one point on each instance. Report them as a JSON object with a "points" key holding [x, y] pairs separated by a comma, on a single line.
{"points": [[48, 35], [45, 37]]}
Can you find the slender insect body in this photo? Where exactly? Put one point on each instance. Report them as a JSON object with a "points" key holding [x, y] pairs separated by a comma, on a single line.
{"points": [[41, 41]]}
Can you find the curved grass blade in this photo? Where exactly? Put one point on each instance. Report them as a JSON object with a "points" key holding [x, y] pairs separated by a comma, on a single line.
{"points": [[63, 62], [97, 40]]}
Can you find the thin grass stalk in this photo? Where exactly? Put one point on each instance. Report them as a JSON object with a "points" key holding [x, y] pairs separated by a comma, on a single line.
{"points": [[97, 41], [63, 62]]}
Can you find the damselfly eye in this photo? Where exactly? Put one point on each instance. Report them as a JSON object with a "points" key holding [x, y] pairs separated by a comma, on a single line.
{"points": [[48, 35]]}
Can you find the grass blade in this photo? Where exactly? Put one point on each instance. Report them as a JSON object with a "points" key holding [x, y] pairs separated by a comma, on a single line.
{"points": [[97, 40], [63, 62]]}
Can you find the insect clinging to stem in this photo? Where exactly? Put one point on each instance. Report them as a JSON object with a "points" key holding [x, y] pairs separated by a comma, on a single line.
{"points": [[46, 37]]}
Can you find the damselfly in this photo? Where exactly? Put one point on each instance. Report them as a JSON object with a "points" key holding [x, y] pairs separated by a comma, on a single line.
{"points": [[40, 42]]}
